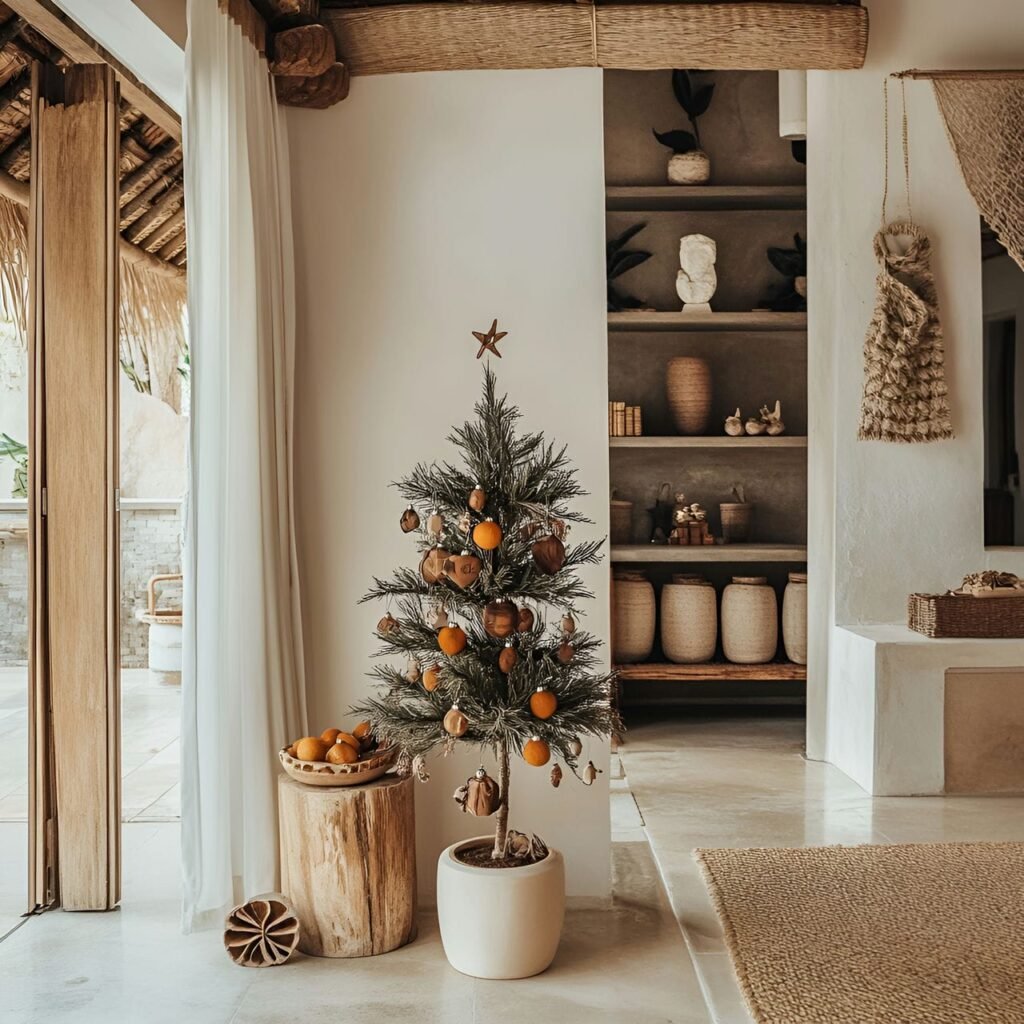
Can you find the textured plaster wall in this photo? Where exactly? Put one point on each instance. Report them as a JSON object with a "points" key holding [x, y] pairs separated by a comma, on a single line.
{"points": [[424, 206]]}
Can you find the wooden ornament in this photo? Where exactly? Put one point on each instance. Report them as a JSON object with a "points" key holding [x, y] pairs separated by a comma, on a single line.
{"points": [[432, 564], [536, 752], [412, 672], [556, 775], [508, 658], [389, 624], [565, 652], [575, 747], [487, 535], [543, 703], [451, 640], [549, 554], [568, 624], [500, 618], [525, 620], [477, 498], [409, 521], [262, 932], [463, 570], [483, 796], [455, 722], [431, 678], [435, 523]]}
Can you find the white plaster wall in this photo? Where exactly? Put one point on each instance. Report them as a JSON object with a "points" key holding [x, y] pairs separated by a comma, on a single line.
{"points": [[424, 206], [895, 518]]}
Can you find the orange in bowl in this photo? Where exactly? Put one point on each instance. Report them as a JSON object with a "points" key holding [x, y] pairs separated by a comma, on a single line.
{"points": [[342, 753], [344, 737], [311, 748], [329, 735]]}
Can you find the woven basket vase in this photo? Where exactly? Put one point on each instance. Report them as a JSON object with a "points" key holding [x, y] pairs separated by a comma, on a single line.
{"points": [[688, 390], [689, 620], [794, 618], [633, 617], [750, 621], [621, 521], [736, 520]]}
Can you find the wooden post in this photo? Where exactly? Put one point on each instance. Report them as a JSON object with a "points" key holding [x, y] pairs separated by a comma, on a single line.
{"points": [[348, 865], [73, 455]]}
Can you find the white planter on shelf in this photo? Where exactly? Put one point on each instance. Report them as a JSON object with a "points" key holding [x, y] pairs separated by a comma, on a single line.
{"points": [[500, 923], [693, 168]]}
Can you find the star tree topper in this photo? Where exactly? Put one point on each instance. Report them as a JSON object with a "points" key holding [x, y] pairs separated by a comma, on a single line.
{"points": [[489, 340]]}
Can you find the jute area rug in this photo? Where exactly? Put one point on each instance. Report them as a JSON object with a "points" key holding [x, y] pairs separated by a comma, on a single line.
{"points": [[930, 933]]}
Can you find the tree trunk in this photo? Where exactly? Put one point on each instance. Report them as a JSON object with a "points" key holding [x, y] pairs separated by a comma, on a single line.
{"points": [[501, 816]]}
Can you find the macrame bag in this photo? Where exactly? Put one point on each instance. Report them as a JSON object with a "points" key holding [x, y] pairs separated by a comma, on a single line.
{"points": [[905, 395]]}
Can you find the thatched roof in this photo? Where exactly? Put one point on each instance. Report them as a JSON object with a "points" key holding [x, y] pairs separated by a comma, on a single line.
{"points": [[152, 226]]}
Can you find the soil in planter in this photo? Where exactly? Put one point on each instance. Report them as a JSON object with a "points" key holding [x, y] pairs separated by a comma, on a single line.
{"points": [[480, 857]]}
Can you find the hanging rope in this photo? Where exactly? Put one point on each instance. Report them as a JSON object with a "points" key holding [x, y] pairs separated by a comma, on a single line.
{"points": [[905, 394]]}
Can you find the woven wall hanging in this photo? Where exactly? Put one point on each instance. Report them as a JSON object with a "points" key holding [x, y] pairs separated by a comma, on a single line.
{"points": [[905, 395]]}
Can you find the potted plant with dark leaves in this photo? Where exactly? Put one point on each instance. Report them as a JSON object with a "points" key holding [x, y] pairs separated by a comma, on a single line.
{"points": [[689, 164], [618, 260], [790, 297]]}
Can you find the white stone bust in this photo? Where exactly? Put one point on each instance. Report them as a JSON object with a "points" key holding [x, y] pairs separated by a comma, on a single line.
{"points": [[696, 280]]}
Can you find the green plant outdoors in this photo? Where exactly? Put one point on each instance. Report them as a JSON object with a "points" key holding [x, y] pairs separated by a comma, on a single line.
{"points": [[18, 454]]}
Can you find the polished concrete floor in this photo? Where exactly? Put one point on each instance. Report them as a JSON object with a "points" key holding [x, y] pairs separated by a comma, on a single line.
{"points": [[655, 954]]}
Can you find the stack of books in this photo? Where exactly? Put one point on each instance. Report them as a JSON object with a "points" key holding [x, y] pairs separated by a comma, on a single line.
{"points": [[624, 420]]}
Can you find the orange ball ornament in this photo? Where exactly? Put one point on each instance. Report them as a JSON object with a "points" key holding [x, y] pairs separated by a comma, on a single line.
{"points": [[431, 678], [487, 535], [451, 640], [536, 752], [543, 703]]}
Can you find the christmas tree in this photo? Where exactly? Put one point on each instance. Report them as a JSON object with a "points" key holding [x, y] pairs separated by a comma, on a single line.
{"points": [[485, 629]]}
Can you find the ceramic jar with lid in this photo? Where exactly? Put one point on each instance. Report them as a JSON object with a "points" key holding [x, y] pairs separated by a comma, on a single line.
{"points": [[633, 617], [794, 618], [750, 621]]}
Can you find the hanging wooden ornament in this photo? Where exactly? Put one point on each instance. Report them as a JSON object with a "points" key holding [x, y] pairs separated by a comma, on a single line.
{"points": [[536, 752], [556, 775], [435, 523], [500, 618], [389, 624], [477, 498], [409, 521], [487, 535], [543, 703], [575, 747], [432, 564], [565, 652], [525, 620], [412, 671], [465, 524], [508, 658], [455, 722], [482, 795], [436, 616], [463, 570], [431, 678], [549, 554], [451, 640], [568, 624]]}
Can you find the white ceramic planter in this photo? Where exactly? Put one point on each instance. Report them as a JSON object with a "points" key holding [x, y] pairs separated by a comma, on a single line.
{"points": [[693, 168], [165, 652], [500, 922]]}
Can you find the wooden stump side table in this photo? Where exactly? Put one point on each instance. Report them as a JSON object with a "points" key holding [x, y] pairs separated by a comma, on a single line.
{"points": [[348, 864]]}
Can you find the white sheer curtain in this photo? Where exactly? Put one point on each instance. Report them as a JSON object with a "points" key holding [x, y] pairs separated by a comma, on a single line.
{"points": [[243, 688]]}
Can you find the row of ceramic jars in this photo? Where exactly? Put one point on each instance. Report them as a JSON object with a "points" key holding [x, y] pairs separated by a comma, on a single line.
{"points": [[690, 619]]}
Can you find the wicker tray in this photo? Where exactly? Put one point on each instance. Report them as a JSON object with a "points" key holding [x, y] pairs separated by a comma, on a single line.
{"points": [[957, 615]]}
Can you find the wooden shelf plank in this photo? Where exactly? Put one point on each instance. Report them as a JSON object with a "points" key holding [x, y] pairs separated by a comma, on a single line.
{"points": [[658, 321], [668, 672], [706, 197], [725, 553], [723, 441]]}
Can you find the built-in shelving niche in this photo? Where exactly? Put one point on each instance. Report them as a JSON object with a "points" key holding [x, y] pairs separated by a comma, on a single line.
{"points": [[756, 198]]}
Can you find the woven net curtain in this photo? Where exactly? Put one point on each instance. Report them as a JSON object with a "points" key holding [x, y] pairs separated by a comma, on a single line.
{"points": [[985, 121]]}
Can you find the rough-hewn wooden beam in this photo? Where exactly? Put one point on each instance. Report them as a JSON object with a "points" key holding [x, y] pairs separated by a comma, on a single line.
{"points": [[321, 92], [161, 158], [445, 36], [52, 23]]}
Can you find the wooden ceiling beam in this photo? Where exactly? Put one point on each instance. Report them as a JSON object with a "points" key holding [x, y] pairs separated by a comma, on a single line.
{"points": [[509, 34], [53, 24]]}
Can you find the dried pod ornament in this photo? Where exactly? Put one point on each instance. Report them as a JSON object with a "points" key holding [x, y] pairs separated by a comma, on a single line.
{"points": [[389, 624], [436, 616], [435, 523], [500, 618], [465, 524], [463, 570], [590, 774], [409, 521], [575, 747], [455, 722], [525, 620], [565, 652], [543, 703], [262, 932], [482, 795], [412, 671], [419, 768], [432, 564], [508, 658], [556, 775], [487, 535], [548, 554], [568, 625], [536, 752], [451, 639], [431, 678], [477, 498]]}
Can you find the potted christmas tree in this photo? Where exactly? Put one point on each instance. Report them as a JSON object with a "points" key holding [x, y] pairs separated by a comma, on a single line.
{"points": [[489, 654]]}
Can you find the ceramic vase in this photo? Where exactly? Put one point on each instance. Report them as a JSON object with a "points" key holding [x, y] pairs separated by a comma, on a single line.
{"points": [[500, 923], [633, 617], [693, 168], [794, 618], [689, 620], [688, 390], [750, 621]]}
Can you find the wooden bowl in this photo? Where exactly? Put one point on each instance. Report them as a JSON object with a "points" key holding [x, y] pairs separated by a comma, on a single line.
{"points": [[323, 773]]}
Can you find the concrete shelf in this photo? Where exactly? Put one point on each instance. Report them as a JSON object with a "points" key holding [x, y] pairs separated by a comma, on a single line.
{"points": [[725, 553]]}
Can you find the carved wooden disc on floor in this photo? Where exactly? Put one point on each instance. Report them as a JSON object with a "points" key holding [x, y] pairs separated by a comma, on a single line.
{"points": [[263, 932]]}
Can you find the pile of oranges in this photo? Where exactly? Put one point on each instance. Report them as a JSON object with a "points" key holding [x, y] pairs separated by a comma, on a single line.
{"points": [[335, 746]]}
